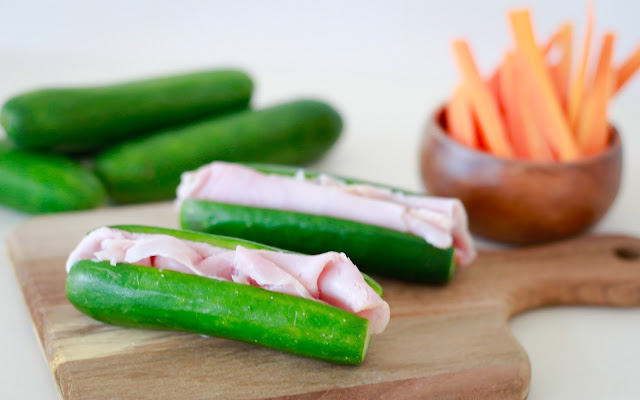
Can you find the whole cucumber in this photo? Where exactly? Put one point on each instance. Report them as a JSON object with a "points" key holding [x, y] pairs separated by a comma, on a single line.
{"points": [[373, 249], [145, 297], [149, 168], [45, 183], [82, 119]]}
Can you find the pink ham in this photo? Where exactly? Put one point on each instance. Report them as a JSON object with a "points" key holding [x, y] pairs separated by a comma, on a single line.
{"points": [[329, 277], [442, 222]]}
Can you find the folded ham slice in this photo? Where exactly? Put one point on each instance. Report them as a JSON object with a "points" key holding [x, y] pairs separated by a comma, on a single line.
{"points": [[442, 222], [329, 277]]}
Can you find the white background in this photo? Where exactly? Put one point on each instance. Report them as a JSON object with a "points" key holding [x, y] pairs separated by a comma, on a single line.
{"points": [[385, 66]]}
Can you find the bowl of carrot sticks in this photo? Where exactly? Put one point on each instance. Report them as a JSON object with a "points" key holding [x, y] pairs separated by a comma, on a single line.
{"points": [[529, 149]]}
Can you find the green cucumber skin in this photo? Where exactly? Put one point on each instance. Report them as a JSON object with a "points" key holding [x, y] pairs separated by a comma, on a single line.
{"points": [[82, 119], [221, 241], [375, 250], [149, 168], [144, 297], [288, 170], [46, 183], [224, 242]]}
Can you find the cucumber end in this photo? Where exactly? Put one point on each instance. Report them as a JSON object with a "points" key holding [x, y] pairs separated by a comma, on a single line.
{"points": [[17, 121], [453, 267], [373, 284], [365, 349], [9, 120]]}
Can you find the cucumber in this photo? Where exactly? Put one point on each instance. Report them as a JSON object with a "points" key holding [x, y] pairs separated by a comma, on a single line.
{"points": [[373, 249], [288, 170], [144, 297], [149, 168], [46, 183], [82, 119]]}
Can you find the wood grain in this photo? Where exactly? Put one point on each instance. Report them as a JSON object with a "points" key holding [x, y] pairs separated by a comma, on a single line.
{"points": [[450, 342]]}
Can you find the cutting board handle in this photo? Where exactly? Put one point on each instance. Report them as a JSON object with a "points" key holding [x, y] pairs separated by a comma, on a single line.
{"points": [[590, 270]]}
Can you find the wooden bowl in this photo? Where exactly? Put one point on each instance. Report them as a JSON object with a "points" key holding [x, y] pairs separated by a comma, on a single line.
{"points": [[521, 202]]}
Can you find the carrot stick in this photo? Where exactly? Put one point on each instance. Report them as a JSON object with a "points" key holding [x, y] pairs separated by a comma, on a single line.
{"points": [[494, 87], [554, 74], [629, 67], [577, 85], [482, 144], [593, 130], [536, 142], [561, 72], [509, 89], [482, 102], [527, 141], [551, 43], [556, 38], [546, 106], [460, 119]]}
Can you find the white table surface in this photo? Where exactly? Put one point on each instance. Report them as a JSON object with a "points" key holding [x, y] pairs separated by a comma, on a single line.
{"points": [[384, 65]]}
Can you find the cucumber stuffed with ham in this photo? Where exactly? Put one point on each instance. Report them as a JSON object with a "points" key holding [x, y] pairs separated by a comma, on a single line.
{"points": [[317, 306], [384, 231]]}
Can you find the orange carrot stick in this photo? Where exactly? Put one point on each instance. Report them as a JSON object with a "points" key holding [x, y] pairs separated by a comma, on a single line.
{"points": [[535, 141], [577, 85], [509, 90], [551, 43], [482, 102], [552, 64], [460, 119], [527, 141], [593, 130], [494, 86], [557, 38], [546, 106], [554, 74], [561, 73], [627, 69]]}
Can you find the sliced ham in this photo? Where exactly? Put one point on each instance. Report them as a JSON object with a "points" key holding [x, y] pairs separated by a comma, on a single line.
{"points": [[329, 277], [442, 222]]}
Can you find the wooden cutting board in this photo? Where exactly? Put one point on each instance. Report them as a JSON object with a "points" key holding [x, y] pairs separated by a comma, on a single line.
{"points": [[449, 342]]}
